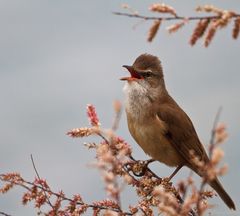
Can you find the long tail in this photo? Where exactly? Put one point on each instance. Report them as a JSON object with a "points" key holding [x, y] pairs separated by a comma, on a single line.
{"points": [[216, 185]]}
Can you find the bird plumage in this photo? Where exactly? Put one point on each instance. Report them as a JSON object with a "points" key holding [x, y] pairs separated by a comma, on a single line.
{"points": [[158, 124]]}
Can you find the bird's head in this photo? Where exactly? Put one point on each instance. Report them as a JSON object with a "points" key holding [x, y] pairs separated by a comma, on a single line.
{"points": [[146, 70]]}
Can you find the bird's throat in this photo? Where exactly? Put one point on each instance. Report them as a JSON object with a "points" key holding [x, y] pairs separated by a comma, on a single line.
{"points": [[137, 100]]}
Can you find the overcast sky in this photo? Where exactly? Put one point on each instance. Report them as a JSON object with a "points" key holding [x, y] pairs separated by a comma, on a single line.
{"points": [[57, 56]]}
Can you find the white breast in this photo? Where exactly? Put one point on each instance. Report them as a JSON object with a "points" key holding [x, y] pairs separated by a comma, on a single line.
{"points": [[137, 101]]}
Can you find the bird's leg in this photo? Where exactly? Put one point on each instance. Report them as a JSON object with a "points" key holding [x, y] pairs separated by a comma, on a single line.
{"points": [[149, 161], [175, 172]]}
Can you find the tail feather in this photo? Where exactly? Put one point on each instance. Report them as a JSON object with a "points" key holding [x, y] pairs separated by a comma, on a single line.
{"points": [[216, 185]]}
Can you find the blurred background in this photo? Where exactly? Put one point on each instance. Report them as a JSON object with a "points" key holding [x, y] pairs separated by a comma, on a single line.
{"points": [[57, 56]]}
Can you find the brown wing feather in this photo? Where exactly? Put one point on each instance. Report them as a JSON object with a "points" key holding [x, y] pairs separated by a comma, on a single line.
{"points": [[183, 138], [181, 133]]}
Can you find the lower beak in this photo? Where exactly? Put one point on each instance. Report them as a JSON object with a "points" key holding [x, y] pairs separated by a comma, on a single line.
{"points": [[128, 78]]}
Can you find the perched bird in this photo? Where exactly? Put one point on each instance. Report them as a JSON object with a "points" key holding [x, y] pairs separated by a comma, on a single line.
{"points": [[158, 124]]}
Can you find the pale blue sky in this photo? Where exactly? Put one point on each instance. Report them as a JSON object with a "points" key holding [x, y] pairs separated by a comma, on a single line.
{"points": [[56, 56]]}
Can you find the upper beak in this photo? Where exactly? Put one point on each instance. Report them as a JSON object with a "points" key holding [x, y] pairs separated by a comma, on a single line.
{"points": [[128, 67], [134, 74]]}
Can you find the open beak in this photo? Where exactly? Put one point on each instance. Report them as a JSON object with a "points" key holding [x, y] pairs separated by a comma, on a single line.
{"points": [[134, 74]]}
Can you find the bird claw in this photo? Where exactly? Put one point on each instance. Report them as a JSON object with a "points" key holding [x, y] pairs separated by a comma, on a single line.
{"points": [[140, 167]]}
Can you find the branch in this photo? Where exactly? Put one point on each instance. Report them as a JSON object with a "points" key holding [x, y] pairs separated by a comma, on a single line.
{"points": [[213, 133], [115, 161], [211, 149], [168, 18], [146, 171], [38, 176], [208, 24], [27, 185], [5, 214]]}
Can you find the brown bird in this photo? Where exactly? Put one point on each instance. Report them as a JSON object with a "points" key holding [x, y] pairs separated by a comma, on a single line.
{"points": [[157, 122]]}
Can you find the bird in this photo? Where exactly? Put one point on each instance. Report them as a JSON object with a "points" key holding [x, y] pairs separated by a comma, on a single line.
{"points": [[159, 125]]}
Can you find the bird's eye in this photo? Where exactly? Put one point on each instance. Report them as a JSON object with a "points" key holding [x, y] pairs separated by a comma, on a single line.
{"points": [[147, 74]]}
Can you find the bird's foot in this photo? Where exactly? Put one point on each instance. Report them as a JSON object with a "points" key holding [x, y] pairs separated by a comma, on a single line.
{"points": [[140, 167]]}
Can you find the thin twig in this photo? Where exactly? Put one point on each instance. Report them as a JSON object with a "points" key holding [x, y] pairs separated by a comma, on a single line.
{"points": [[211, 148], [203, 183], [143, 211], [38, 176], [5, 214], [93, 206], [103, 137], [184, 195], [114, 127], [169, 18], [213, 133]]}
